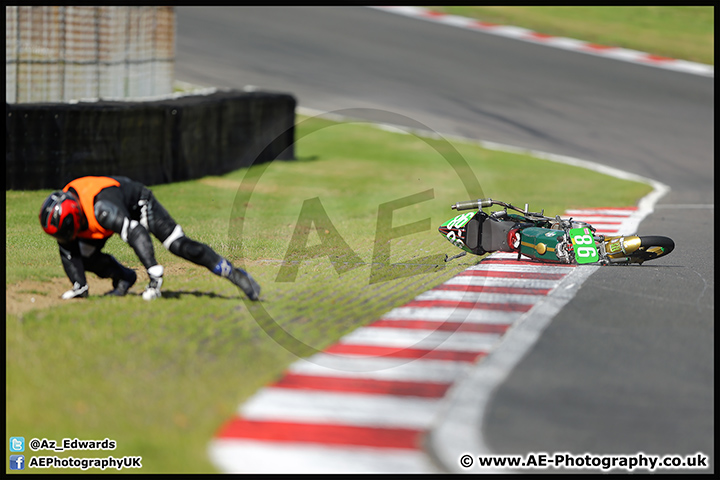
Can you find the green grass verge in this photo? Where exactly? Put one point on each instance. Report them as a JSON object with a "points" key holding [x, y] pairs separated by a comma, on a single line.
{"points": [[160, 378], [686, 33]]}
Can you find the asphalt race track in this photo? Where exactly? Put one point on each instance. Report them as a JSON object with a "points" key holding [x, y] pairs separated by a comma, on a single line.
{"points": [[627, 365]]}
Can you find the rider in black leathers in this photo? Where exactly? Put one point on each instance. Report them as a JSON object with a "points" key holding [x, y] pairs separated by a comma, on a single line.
{"points": [[89, 210]]}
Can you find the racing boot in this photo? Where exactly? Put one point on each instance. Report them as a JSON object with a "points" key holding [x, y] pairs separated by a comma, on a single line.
{"points": [[239, 278], [122, 285], [247, 284], [156, 280]]}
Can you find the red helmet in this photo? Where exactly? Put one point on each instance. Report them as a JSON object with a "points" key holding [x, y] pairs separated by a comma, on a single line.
{"points": [[61, 216]]}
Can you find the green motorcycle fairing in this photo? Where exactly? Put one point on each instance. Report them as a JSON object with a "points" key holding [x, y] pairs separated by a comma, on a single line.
{"points": [[455, 232]]}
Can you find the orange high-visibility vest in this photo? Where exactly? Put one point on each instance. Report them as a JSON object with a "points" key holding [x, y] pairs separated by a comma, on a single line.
{"points": [[87, 188]]}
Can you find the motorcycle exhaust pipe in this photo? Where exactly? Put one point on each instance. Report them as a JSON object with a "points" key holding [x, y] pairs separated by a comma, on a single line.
{"points": [[473, 204], [619, 247]]}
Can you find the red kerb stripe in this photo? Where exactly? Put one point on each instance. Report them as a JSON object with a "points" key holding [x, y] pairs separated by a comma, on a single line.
{"points": [[507, 307], [594, 46], [658, 58], [271, 431], [486, 289], [431, 13], [604, 222], [482, 24], [392, 352], [539, 36], [363, 385], [444, 326], [525, 261], [523, 275]]}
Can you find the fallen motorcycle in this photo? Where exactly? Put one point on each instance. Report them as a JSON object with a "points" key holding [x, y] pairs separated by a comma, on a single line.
{"points": [[542, 238]]}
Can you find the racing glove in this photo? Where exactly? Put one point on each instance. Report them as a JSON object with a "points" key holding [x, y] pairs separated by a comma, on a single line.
{"points": [[156, 278], [78, 291]]}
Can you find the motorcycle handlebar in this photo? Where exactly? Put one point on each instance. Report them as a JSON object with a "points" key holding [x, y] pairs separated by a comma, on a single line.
{"points": [[489, 202]]}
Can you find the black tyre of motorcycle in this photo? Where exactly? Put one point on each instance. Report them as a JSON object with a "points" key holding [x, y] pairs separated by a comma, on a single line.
{"points": [[646, 243]]}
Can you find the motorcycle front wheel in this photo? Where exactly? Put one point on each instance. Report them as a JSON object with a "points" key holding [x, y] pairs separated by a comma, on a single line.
{"points": [[651, 248]]}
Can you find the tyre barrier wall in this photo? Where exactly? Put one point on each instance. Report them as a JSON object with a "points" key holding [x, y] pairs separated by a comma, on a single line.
{"points": [[48, 145]]}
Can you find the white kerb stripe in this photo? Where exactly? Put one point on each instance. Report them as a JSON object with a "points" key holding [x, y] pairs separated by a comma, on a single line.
{"points": [[520, 268], [417, 338], [250, 456], [319, 407], [477, 297], [501, 282], [469, 315], [412, 370]]}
